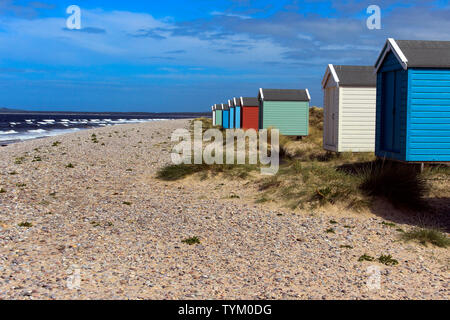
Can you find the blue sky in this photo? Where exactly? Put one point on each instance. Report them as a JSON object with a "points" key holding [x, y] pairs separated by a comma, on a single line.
{"points": [[185, 55]]}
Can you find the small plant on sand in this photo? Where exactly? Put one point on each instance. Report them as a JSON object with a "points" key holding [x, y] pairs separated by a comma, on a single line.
{"points": [[19, 160], [37, 159], [191, 241], [21, 185], [346, 246], [425, 236], [366, 257], [95, 224], [330, 230], [25, 225], [13, 173], [70, 166], [2, 190], [127, 203], [262, 200], [333, 222], [56, 143], [387, 260], [234, 196], [388, 224]]}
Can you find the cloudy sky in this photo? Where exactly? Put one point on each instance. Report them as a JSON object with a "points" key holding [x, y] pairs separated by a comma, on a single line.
{"points": [[185, 55]]}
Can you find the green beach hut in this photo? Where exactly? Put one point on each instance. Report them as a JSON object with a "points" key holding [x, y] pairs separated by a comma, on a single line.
{"points": [[218, 114], [284, 109]]}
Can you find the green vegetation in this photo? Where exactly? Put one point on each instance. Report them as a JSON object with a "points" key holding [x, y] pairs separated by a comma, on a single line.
{"points": [[25, 224], [387, 260], [366, 257], [425, 236], [56, 143], [21, 185], [191, 241], [345, 246], [310, 177], [2, 190], [19, 160], [36, 159], [388, 224], [127, 203], [330, 230], [401, 185], [13, 173], [70, 166]]}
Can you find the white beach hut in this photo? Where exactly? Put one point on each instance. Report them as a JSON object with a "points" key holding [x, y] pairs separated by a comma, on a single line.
{"points": [[349, 108], [213, 108]]}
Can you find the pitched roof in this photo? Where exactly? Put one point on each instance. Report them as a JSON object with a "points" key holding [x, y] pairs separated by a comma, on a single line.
{"points": [[249, 102], [237, 102], [284, 95], [356, 76], [417, 53], [225, 106], [218, 106]]}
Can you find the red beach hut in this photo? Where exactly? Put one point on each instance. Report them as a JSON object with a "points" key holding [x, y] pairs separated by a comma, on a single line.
{"points": [[250, 113]]}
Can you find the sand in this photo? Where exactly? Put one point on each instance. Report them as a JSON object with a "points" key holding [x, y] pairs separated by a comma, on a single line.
{"points": [[109, 223]]}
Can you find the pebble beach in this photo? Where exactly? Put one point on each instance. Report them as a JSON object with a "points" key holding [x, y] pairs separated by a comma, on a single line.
{"points": [[82, 216]]}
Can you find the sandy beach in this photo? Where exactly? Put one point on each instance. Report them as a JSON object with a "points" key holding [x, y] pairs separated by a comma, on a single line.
{"points": [[91, 206]]}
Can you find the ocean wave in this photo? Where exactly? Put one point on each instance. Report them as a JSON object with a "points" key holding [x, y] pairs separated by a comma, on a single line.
{"points": [[8, 132]]}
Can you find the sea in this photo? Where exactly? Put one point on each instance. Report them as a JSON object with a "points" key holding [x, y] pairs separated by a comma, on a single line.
{"points": [[17, 127]]}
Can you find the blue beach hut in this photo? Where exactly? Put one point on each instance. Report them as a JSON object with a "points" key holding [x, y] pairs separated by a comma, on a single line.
{"points": [[225, 116], [237, 113], [232, 114], [413, 101]]}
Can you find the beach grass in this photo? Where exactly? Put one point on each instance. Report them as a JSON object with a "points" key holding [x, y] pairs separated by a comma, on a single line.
{"points": [[310, 177], [427, 236]]}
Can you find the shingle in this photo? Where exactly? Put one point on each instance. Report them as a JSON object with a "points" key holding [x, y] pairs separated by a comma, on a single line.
{"points": [[250, 102], [285, 95], [426, 54], [363, 76]]}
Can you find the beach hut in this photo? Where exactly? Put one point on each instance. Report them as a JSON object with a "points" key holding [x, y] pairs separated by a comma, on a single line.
{"points": [[237, 113], [218, 114], [213, 109], [413, 101], [225, 116], [249, 113], [349, 108], [232, 113], [284, 109]]}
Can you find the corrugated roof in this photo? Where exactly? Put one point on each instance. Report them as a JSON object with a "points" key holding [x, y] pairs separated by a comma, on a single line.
{"points": [[426, 54], [285, 95], [356, 76], [250, 102]]}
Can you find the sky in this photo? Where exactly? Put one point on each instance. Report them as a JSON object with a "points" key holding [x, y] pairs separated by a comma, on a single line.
{"points": [[186, 55]]}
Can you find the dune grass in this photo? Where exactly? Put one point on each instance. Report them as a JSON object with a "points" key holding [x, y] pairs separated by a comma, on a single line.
{"points": [[311, 177], [427, 236]]}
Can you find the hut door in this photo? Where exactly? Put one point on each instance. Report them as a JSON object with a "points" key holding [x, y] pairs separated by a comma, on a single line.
{"points": [[390, 111], [330, 137]]}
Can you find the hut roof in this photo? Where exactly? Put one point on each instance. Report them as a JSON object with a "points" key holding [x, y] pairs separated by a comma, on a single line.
{"points": [[417, 53], [358, 76], [284, 95], [249, 102]]}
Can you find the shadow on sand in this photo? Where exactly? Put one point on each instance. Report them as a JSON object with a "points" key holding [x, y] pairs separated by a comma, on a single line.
{"points": [[436, 215]]}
